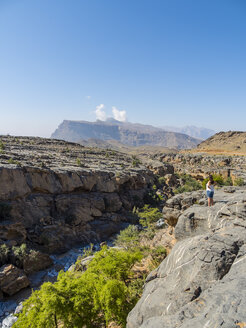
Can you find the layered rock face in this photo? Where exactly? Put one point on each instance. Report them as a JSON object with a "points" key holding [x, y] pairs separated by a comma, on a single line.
{"points": [[201, 165], [202, 283], [54, 195], [59, 208], [75, 195]]}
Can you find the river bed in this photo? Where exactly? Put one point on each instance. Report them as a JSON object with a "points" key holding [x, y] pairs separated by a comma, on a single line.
{"points": [[61, 262]]}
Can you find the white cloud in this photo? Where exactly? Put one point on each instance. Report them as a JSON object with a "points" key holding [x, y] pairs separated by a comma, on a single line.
{"points": [[100, 114], [119, 115], [88, 97]]}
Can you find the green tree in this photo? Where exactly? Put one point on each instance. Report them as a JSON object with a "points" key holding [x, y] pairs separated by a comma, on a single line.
{"points": [[188, 184], [91, 299], [149, 215]]}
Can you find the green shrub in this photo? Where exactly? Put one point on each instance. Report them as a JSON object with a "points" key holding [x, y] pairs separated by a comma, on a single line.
{"points": [[149, 215], [103, 293], [188, 184], [4, 254], [2, 146], [135, 161], [204, 182], [161, 181], [19, 252], [78, 162], [12, 161], [158, 254], [228, 182], [239, 182], [88, 251], [217, 178], [149, 233], [128, 237]]}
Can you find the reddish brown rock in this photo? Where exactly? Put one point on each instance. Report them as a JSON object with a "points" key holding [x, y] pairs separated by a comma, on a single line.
{"points": [[12, 279]]}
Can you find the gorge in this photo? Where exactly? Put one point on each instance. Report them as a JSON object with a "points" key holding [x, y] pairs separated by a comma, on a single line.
{"points": [[56, 195]]}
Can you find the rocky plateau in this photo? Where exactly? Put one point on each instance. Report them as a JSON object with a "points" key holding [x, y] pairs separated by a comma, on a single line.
{"points": [[55, 195], [202, 282]]}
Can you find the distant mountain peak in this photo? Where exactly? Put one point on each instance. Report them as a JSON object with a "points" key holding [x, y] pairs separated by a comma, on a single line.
{"points": [[113, 120], [191, 130], [132, 134]]}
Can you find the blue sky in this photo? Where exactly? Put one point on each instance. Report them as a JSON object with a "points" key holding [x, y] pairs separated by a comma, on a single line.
{"points": [[163, 62]]}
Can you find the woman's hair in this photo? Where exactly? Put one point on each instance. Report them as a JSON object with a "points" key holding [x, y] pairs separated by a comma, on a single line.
{"points": [[211, 179]]}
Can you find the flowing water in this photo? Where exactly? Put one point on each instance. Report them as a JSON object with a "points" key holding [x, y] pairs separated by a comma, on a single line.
{"points": [[61, 262]]}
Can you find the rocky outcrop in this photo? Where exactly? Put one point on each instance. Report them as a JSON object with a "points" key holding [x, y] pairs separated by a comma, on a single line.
{"points": [[231, 141], [54, 195], [12, 279], [202, 282], [200, 165], [77, 195], [176, 205], [54, 209]]}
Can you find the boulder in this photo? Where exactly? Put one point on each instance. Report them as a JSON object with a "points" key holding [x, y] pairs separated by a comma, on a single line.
{"points": [[160, 224], [12, 279], [171, 215], [36, 261], [83, 264], [9, 321], [171, 180]]}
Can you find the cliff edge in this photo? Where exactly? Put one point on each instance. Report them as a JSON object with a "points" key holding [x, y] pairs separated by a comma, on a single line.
{"points": [[202, 283]]}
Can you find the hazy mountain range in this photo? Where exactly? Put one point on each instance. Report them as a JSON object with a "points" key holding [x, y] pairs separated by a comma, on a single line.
{"points": [[191, 130], [132, 134]]}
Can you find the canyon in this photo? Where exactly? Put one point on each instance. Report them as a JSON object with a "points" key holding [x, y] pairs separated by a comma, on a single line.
{"points": [[56, 195]]}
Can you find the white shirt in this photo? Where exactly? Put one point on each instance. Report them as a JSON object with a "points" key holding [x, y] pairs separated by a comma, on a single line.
{"points": [[210, 188]]}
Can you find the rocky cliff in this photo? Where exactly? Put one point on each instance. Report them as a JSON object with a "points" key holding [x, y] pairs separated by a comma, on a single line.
{"points": [[202, 282], [124, 132], [54, 194], [201, 165]]}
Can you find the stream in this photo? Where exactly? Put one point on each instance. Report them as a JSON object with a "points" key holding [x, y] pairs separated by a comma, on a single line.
{"points": [[61, 262]]}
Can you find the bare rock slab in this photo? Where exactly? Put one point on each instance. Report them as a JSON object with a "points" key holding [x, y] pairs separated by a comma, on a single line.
{"points": [[202, 282]]}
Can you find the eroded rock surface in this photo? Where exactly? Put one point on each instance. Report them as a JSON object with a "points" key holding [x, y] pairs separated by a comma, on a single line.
{"points": [[200, 165], [176, 205], [12, 279], [202, 283], [55, 194]]}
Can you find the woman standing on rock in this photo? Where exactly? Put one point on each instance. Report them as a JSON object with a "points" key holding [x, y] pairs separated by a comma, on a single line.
{"points": [[210, 190]]}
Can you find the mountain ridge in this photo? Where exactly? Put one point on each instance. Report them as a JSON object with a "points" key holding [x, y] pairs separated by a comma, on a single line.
{"points": [[233, 142], [191, 130], [132, 134]]}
